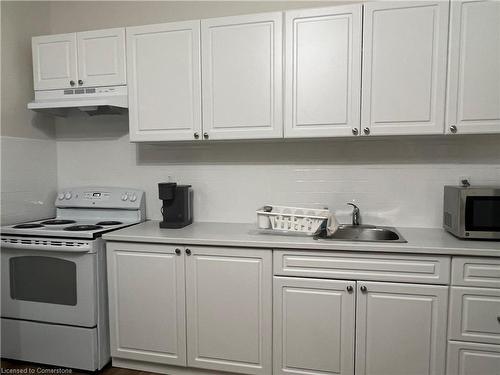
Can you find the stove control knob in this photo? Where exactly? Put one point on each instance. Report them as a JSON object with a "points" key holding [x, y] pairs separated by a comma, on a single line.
{"points": [[133, 198], [67, 195], [60, 196], [124, 197]]}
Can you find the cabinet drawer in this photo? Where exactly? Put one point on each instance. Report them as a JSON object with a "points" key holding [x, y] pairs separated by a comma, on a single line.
{"points": [[475, 315], [476, 272], [472, 359], [376, 267]]}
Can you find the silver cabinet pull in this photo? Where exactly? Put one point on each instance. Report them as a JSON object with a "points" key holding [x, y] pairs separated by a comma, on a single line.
{"points": [[366, 130], [363, 289], [196, 135], [355, 131], [453, 129]]}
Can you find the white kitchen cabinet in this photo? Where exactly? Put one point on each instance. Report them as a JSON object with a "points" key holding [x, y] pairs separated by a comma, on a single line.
{"points": [[101, 58], [400, 328], [323, 71], [54, 61], [84, 59], [474, 67], [147, 303], [404, 67], [475, 314], [163, 63], [229, 309], [473, 359], [313, 326], [242, 76]]}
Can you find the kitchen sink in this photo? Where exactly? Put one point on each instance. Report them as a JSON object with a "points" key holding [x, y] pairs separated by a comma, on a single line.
{"points": [[365, 233]]}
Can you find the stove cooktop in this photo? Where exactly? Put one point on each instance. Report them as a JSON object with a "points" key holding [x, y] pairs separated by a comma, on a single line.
{"points": [[58, 227]]}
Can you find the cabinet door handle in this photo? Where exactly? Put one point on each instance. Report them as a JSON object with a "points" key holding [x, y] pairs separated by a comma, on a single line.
{"points": [[72, 83], [178, 251], [188, 252], [363, 288], [80, 82], [453, 129], [349, 289], [196, 135], [366, 130], [498, 318], [205, 135], [355, 131]]}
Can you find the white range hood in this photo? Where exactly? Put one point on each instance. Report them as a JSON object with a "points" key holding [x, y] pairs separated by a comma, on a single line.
{"points": [[92, 100]]}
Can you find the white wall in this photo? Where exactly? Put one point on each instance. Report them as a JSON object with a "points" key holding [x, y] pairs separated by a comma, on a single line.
{"points": [[396, 181], [28, 148]]}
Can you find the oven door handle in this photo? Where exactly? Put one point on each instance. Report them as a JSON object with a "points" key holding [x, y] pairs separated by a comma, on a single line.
{"points": [[63, 246]]}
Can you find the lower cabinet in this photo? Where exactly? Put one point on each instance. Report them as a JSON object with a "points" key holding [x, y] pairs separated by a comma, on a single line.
{"points": [[467, 358], [399, 328], [146, 303], [204, 307], [313, 326], [229, 309]]}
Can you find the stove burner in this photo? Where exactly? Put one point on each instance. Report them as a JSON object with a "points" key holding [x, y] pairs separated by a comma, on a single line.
{"points": [[58, 222], [77, 228], [109, 222], [26, 226]]}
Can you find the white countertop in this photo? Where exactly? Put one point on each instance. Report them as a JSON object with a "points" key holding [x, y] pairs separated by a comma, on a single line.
{"points": [[420, 240]]}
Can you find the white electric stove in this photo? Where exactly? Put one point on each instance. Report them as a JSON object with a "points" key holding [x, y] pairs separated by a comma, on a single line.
{"points": [[54, 293]]}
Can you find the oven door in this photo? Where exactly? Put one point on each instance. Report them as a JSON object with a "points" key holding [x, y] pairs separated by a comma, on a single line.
{"points": [[49, 281]]}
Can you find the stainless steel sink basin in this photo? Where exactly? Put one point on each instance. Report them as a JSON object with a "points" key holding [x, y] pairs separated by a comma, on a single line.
{"points": [[368, 233]]}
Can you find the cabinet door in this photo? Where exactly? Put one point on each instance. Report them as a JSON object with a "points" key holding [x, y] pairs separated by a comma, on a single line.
{"points": [[323, 72], [242, 77], [163, 63], [54, 61], [475, 315], [474, 67], [101, 57], [404, 67], [473, 359], [313, 326], [229, 309], [146, 303], [400, 329]]}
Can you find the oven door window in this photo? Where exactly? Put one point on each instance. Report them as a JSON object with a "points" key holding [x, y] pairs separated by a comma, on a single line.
{"points": [[43, 279], [482, 214]]}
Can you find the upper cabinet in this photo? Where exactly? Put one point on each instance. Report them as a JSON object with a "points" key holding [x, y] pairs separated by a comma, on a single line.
{"points": [[404, 67], [323, 71], [101, 57], [86, 59], [242, 76], [164, 81], [54, 61], [474, 68]]}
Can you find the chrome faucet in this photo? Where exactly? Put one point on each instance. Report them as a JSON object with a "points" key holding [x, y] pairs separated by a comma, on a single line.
{"points": [[355, 214]]}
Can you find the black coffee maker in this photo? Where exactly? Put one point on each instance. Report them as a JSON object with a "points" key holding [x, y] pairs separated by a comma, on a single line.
{"points": [[177, 208]]}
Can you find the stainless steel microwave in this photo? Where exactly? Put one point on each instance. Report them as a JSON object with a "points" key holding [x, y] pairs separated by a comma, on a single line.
{"points": [[472, 212]]}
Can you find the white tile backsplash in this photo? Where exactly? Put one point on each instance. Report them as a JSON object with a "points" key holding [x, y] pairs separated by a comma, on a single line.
{"points": [[395, 181], [29, 179]]}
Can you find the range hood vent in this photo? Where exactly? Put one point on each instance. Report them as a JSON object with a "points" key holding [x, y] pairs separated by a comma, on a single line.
{"points": [[91, 100]]}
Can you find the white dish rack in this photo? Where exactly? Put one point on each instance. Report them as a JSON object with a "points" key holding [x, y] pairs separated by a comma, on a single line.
{"points": [[292, 220]]}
